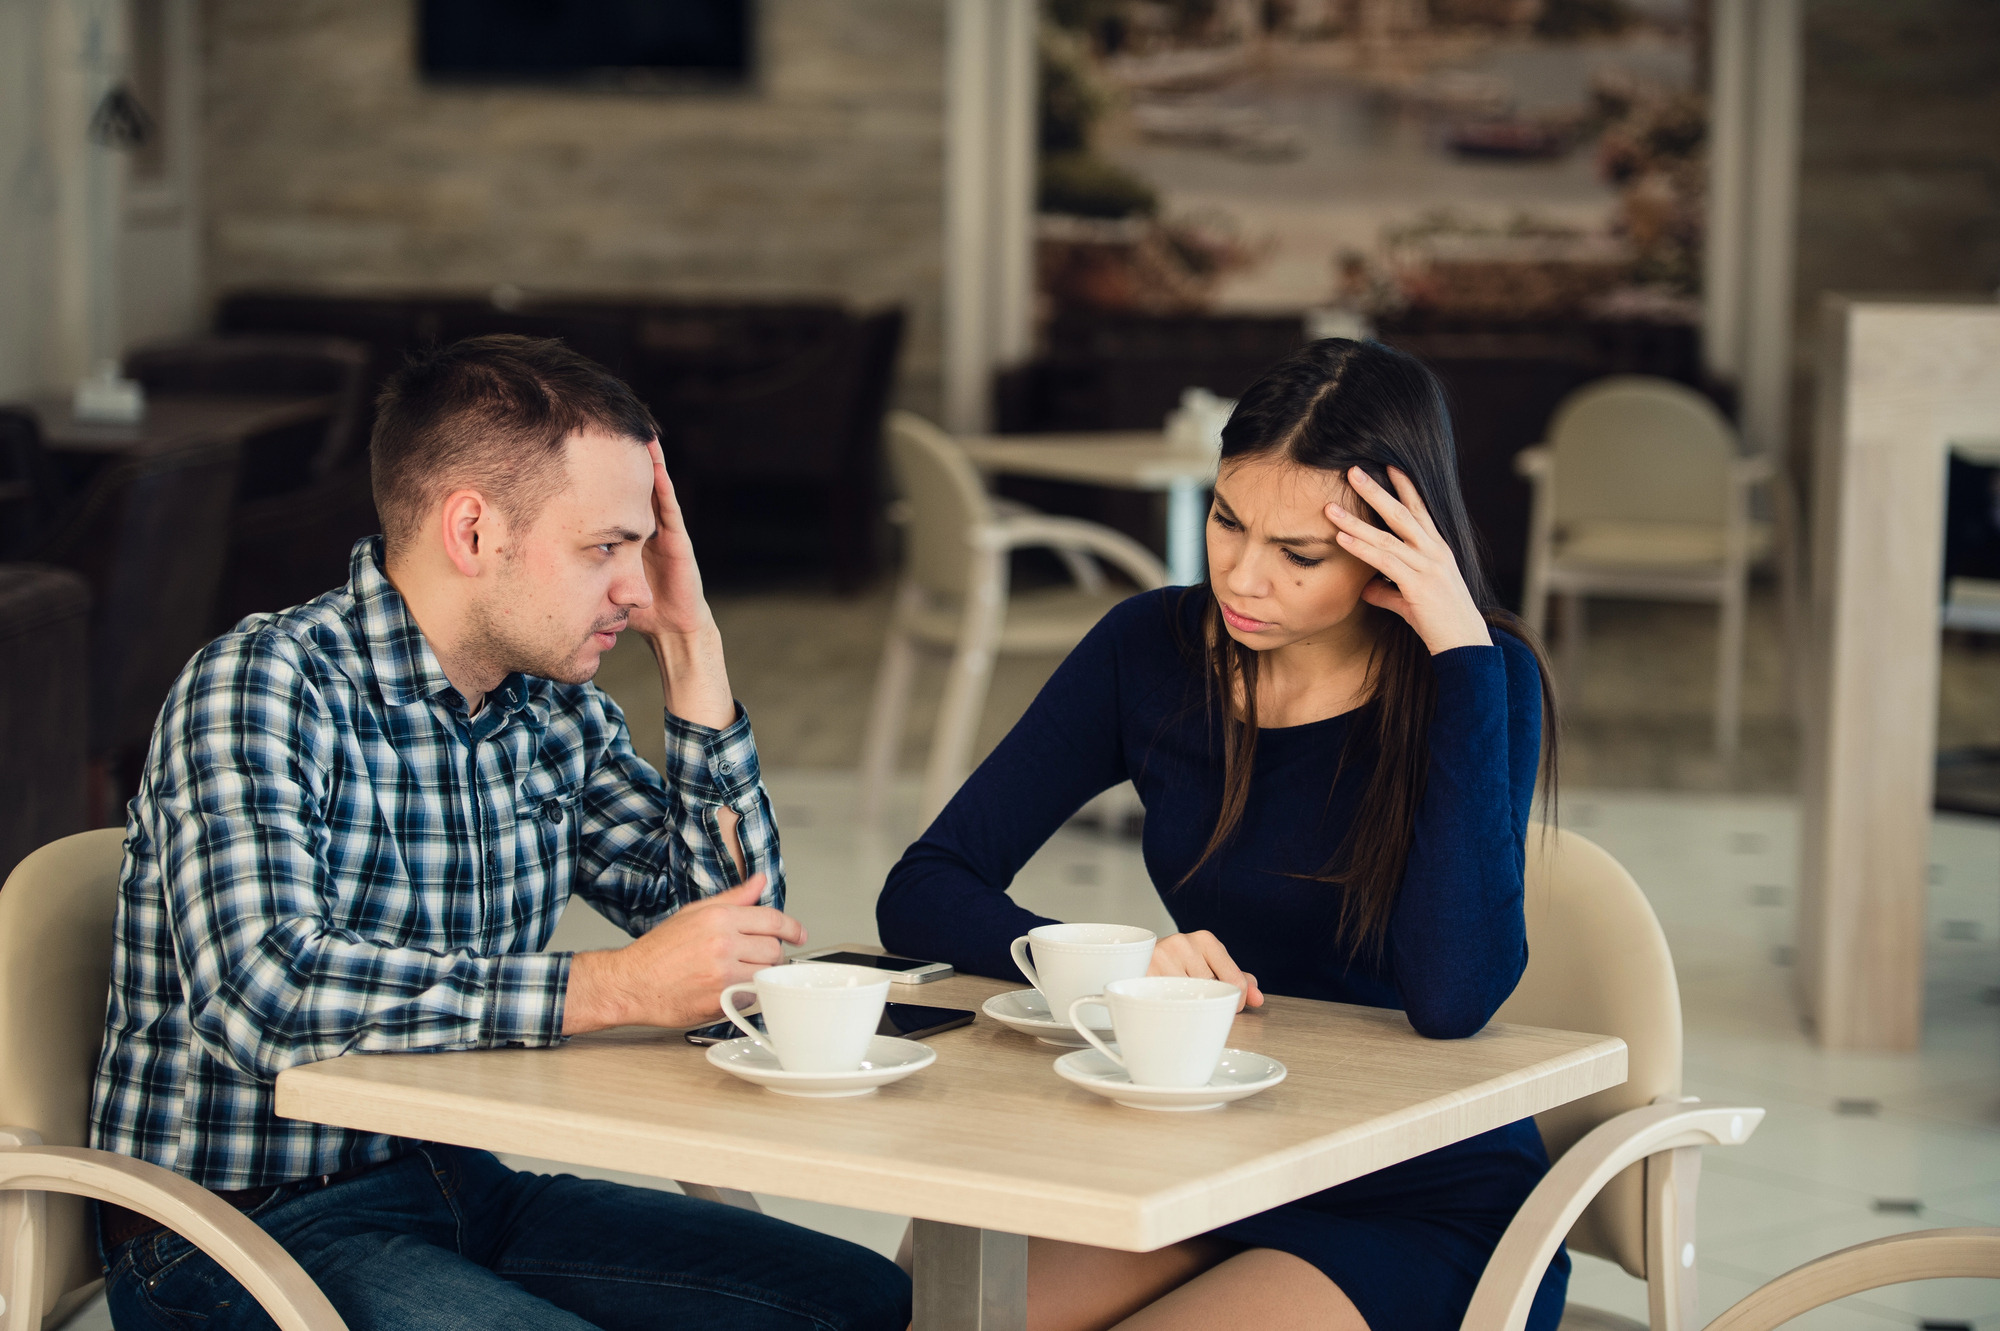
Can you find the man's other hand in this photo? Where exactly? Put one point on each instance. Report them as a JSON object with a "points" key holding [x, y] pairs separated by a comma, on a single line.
{"points": [[674, 975]]}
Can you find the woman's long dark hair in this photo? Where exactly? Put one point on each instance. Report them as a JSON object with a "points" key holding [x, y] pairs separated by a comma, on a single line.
{"points": [[1332, 405]]}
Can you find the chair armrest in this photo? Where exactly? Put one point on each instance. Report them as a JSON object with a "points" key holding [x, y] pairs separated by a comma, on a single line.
{"points": [[1533, 461], [1040, 529], [1513, 1274], [1930, 1254], [253, 1257]]}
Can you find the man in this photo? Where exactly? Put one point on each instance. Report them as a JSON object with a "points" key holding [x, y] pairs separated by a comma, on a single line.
{"points": [[359, 821]]}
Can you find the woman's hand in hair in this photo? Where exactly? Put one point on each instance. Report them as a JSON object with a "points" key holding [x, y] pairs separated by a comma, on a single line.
{"points": [[1428, 590], [1202, 955]]}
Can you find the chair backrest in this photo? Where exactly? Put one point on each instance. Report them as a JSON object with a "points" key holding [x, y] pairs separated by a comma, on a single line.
{"points": [[946, 501], [1634, 447], [28, 486], [56, 914], [45, 707], [1598, 962], [149, 534], [273, 364]]}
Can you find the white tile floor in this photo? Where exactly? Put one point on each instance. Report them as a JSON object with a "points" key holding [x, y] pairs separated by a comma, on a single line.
{"points": [[1845, 1135]]}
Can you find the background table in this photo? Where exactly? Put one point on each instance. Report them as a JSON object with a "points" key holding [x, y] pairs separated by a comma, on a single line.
{"points": [[171, 419], [987, 1145], [1126, 460]]}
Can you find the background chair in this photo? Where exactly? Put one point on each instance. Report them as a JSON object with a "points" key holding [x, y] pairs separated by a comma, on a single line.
{"points": [[303, 495], [30, 489], [1625, 1160], [272, 365], [954, 597], [1929, 1254], [1642, 491], [56, 914], [148, 535], [43, 716]]}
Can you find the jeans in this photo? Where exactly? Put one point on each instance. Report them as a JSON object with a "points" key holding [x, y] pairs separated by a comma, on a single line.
{"points": [[446, 1238]]}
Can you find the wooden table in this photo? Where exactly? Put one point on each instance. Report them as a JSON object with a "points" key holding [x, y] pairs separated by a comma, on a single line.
{"points": [[987, 1146], [172, 419], [1124, 460]]}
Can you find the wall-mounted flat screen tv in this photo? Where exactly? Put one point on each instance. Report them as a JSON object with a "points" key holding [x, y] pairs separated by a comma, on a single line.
{"points": [[638, 44]]}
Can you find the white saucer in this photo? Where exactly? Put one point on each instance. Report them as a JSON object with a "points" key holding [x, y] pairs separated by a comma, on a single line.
{"points": [[1240, 1073], [889, 1059], [1028, 1012]]}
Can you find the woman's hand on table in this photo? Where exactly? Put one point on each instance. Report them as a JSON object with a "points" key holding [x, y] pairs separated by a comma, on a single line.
{"points": [[1202, 955]]}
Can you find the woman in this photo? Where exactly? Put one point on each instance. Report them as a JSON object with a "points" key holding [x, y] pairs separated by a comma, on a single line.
{"points": [[1336, 739]]}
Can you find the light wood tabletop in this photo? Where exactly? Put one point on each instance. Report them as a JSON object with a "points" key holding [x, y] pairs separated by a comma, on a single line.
{"points": [[988, 1137]]}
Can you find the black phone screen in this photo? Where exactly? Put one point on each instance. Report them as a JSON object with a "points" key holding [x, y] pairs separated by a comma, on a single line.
{"points": [[909, 1021], [877, 963]]}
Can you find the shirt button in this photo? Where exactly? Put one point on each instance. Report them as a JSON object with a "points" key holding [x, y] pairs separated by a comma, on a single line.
{"points": [[552, 813]]}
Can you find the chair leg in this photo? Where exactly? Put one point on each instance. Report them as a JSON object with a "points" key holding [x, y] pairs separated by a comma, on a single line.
{"points": [[735, 1197], [1535, 598], [1670, 1181], [965, 686], [1572, 644], [24, 1235], [957, 724], [1729, 671], [884, 736], [1791, 610], [1082, 569]]}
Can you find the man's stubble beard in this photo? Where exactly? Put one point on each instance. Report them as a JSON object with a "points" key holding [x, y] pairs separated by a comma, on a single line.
{"points": [[493, 645]]}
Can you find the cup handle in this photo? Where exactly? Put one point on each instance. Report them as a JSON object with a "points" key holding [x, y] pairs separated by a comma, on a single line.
{"points": [[1019, 947], [1088, 1033], [730, 1011]]}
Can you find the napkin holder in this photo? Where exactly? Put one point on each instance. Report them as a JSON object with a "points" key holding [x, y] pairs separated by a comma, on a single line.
{"points": [[108, 399]]}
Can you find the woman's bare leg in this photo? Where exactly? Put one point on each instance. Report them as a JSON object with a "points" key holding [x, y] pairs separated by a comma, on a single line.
{"points": [[1197, 1286], [1072, 1287], [1260, 1288]]}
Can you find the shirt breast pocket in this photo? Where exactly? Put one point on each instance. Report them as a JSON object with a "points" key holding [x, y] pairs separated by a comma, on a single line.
{"points": [[547, 817]]}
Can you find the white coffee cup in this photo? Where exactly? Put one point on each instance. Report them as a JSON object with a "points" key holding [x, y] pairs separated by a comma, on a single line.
{"points": [[1171, 1028], [820, 1017], [1075, 960]]}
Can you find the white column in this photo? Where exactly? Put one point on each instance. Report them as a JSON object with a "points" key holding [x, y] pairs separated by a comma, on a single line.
{"points": [[1898, 382], [1015, 104], [1772, 198], [989, 200], [967, 101], [86, 57], [1728, 153]]}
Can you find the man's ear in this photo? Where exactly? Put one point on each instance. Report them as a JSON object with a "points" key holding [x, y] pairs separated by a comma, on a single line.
{"points": [[472, 530]]}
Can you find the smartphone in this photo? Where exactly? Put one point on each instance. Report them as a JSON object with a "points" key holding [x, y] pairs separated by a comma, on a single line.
{"points": [[902, 970], [908, 1021]]}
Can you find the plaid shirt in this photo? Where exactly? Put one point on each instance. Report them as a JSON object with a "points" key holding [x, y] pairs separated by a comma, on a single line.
{"points": [[327, 854]]}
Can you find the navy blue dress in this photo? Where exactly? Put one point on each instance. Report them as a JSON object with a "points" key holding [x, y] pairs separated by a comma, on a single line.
{"points": [[1408, 1243]]}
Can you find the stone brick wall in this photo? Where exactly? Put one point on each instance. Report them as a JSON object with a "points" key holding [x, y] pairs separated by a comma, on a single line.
{"points": [[330, 165], [1899, 184]]}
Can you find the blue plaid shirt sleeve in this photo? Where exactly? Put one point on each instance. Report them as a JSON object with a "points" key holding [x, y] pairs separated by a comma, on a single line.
{"points": [[271, 982], [651, 846]]}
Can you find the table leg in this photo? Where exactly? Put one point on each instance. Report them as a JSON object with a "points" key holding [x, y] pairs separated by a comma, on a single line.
{"points": [[969, 1279], [1187, 513]]}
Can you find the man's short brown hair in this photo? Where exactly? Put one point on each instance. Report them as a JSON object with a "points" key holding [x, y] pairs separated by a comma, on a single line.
{"points": [[490, 414]]}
